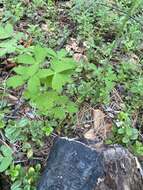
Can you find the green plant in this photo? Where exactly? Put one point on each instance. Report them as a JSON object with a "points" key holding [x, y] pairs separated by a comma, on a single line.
{"points": [[132, 9], [44, 81], [128, 134], [25, 131], [5, 157], [13, 10], [39, 3], [130, 78], [96, 85], [137, 148], [2, 123], [22, 178], [109, 35], [93, 21], [125, 134], [8, 40]]}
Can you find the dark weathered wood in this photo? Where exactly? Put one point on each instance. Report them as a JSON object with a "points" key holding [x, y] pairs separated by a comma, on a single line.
{"points": [[122, 171], [73, 165]]}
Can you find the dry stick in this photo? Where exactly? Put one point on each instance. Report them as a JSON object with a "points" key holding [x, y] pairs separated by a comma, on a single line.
{"points": [[4, 143], [141, 136], [26, 160]]}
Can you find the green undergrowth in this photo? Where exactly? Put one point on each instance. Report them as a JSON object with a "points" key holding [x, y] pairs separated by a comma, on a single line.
{"points": [[51, 86]]}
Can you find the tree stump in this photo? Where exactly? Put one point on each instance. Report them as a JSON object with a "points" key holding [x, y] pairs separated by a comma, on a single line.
{"points": [[74, 165]]}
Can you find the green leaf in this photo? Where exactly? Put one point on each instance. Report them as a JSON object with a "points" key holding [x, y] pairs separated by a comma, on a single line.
{"points": [[26, 72], [33, 85], [5, 163], [23, 122], [15, 81], [47, 81], [2, 124], [8, 46], [29, 153], [21, 70], [31, 70], [48, 130], [138, 144], [59, 80], [1, 158], [13, 133], [42, 73], [6, 160], [72, 107], [108, 142], [7, 151], [137, 147], [16, 185], [62, 53], [40, 53], [8, 40], [125, 140], [2, 52], [26, 59], [51, 52], [121, 130], [92, 67], [59, 113], [44, 101], [62, 100], [62, 65], [135, 134], [128, 131], [6, 32]]}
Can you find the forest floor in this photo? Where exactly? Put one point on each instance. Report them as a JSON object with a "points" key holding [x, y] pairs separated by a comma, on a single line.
{"points": [[97, 94]]}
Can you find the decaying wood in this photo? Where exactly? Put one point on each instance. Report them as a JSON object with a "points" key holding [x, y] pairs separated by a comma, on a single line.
{"points": [[122, 171], [75, 165]]}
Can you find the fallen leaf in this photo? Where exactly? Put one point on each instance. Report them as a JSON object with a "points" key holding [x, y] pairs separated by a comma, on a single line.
{"points": [[98, 117], [90, 134], [101, 127]]}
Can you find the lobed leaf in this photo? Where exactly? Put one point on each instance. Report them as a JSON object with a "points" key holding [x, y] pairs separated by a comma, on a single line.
{"points": [[6, 32], [5, 163], [15, 81], [40, 53], [26, 59]]}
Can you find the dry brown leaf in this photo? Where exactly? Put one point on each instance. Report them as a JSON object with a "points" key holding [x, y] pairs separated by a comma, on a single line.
{"points": [[98, 117], [79, 57], [90, 134], [28, 43], [77, 50], [101, 127], [72, 45]]}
